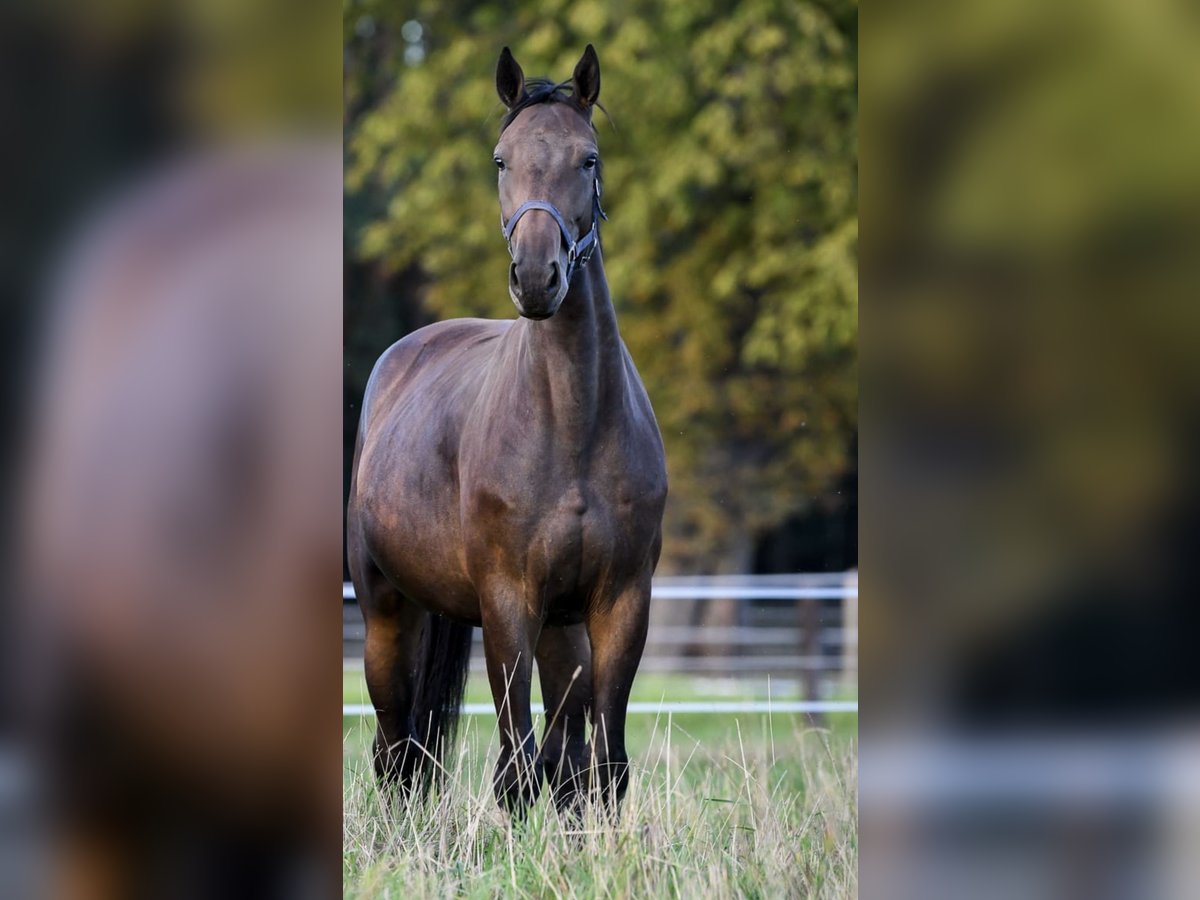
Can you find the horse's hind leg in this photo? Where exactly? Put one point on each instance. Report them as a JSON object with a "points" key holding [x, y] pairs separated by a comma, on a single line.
{"points": [[392, 652], [618, 634], [564, 659]]}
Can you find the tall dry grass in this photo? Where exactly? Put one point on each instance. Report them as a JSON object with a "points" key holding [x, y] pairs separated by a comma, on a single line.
{"points": [[759, 807]]}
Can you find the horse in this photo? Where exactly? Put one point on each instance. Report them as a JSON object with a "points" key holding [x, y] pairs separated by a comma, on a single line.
{"points": [[510, 475]]}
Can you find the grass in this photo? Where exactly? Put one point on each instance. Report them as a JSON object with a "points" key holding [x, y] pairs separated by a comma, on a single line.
{"points": [[718, 806]]}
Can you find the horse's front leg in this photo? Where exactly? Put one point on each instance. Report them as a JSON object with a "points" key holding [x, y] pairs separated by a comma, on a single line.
{"points": [[564, 659], [509, 636], [618, 635]]}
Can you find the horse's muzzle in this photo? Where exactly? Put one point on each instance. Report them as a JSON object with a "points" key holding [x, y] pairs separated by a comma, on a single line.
{"points": [[536, 289]]}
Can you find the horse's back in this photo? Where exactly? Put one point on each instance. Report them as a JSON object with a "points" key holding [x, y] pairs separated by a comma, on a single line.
{"points": [[445, 357]]}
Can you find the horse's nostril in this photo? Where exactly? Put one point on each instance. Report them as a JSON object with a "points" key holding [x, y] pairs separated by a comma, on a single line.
{"points": [[552, 283], [513, 283]]}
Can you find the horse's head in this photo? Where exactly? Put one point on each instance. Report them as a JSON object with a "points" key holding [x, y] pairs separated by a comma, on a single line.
{"points": [[549, 180]]}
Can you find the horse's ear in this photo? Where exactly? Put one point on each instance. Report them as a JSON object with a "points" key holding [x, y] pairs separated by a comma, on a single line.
{"points": [[586, 80], [510, 80]]}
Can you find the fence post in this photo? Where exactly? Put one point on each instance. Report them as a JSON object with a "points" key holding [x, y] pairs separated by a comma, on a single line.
{"points": [[810, 650], [850, 632]]}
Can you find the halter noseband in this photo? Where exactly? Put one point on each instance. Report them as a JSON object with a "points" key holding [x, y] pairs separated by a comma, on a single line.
{"points": [[578, 252]]}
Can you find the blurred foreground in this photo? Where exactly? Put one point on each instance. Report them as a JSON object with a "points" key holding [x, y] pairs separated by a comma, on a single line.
{"points": [[1031, 394], [176, 540]]}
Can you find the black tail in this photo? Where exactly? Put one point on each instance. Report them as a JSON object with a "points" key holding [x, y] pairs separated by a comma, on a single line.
{"points": [[441, 682]]}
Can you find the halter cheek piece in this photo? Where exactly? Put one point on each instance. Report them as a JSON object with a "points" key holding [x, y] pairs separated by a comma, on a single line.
{"points": [[578, 252]]}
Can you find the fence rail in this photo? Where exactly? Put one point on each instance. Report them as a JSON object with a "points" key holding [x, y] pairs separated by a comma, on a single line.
{"points": [[803, 626], [701, 707], [672, 590]]}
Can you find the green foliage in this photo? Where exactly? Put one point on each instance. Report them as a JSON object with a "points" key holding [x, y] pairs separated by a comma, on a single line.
{"points": [[731, 183]]}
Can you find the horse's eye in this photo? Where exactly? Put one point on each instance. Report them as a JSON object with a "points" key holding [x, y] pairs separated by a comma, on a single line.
{"points": [[590, 162], [499, 162]]}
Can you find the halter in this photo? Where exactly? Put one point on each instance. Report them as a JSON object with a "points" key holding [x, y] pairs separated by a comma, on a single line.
{"points": [[578, 252]]}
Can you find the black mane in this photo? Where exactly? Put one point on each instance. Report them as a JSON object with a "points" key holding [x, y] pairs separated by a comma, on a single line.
{"points": [[543, 90]]}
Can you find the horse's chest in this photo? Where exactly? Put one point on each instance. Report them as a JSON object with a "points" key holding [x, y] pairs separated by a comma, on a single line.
{"points": [[583, 516], [592, 536], [564, 536]]}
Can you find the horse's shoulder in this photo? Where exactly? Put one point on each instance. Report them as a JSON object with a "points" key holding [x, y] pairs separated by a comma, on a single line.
{"points": [[449, 336], [440, 344]]}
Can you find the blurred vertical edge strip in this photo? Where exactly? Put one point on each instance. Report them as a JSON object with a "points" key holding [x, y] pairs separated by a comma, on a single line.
{"points": [[1031, 403], [170, 274]]}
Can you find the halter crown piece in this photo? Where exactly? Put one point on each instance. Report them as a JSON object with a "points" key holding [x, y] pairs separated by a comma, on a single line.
{"points": [[578, 252]]}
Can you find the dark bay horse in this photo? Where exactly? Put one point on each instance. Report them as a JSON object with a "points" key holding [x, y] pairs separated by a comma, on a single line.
{"points": [[511, 475]]}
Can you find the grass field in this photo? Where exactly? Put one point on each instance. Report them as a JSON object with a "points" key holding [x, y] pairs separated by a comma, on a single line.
{"points": [[718, 806]]}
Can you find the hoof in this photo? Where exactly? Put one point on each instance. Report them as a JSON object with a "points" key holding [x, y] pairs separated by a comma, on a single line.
{"points": [[517, 785], [401, 766]]}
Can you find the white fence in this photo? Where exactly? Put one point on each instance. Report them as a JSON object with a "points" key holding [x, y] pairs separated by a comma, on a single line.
{"points": [[832, 586], [682, 707], [799, 625]]}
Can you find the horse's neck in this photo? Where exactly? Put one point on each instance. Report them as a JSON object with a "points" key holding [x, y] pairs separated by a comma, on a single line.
{"points": [[574, 360]]}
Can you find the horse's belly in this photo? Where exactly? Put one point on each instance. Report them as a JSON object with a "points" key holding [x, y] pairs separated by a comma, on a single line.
{"points": [[414, 538]]}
